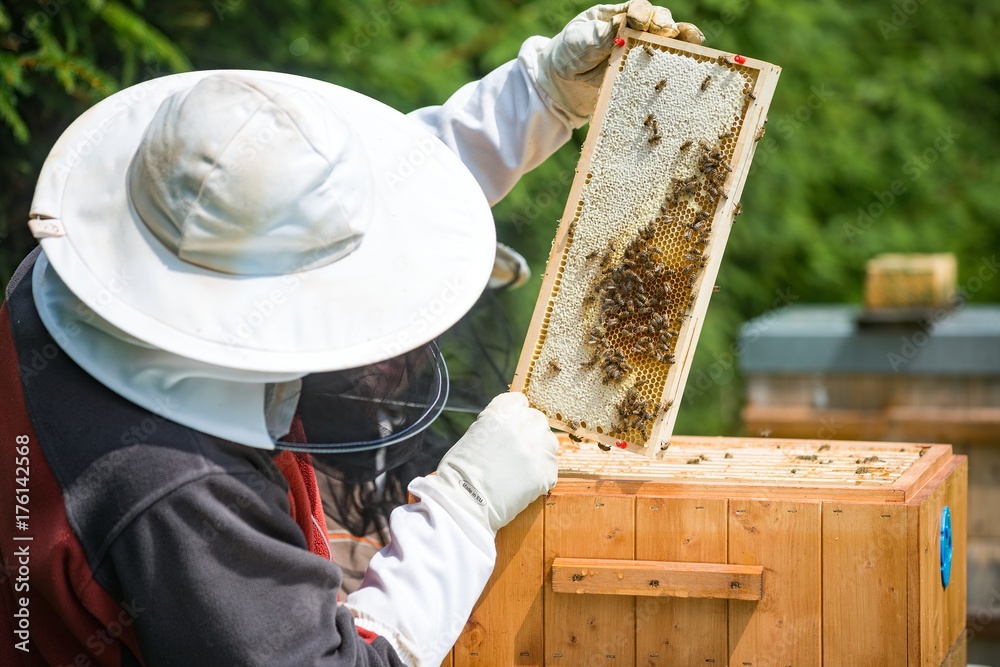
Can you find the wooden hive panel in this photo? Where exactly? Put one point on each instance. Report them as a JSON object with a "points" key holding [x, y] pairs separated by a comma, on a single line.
{"points": [[673, 631], [832, 570], [639, 246]]}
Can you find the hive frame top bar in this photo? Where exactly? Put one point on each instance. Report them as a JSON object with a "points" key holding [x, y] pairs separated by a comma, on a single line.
{"points": [[751, 129], [754, 472]]}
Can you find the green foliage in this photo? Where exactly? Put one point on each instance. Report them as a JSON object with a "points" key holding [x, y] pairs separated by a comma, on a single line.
{"points": [[872, 94], [57, 58]]}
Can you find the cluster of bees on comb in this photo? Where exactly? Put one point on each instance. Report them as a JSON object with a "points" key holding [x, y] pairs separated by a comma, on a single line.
{"points": [[641, 300]]}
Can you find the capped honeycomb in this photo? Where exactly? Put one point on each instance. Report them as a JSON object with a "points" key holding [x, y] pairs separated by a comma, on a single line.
{"points": [[639, 246]]}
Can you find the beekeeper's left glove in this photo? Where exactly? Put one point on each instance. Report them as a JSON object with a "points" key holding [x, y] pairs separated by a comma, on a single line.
{"points": [[570, 67]]}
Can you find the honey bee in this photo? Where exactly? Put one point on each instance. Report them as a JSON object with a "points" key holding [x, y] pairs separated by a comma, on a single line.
{"points": [[660, 85], [722, 59], [687, 144], [554, 366], [603, 447], [591, 255], [704, 84], [574, 438], [655, 139], [648, 121], [572, 425], [760, 133], [737, 209], [726, 135]]}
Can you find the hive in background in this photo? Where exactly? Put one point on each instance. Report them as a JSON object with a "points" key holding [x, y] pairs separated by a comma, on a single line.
{"points": [[639, 246]]}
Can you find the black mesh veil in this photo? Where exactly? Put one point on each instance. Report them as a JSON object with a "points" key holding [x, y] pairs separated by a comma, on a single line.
{"points": [[361, 422], [410, 410]]}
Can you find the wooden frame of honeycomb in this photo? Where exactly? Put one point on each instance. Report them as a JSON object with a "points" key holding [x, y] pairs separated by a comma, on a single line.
{"points": [[634, 261]]}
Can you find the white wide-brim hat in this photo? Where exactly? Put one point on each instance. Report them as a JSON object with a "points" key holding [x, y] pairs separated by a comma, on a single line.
{"points": [[404, 237]]}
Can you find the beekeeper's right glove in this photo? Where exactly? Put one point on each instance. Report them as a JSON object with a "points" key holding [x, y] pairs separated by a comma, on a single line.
{"points": [[419, 590], [505, 460]]}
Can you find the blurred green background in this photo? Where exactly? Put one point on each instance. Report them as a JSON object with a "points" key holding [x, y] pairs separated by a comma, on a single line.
{"points": [[872, 94]]}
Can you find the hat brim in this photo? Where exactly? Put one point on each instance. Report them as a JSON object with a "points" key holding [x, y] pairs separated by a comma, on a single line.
{"points": [[422, 264]]}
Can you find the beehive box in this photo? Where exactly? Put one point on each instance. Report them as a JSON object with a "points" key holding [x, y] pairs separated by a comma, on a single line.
{"points": [[639, 245], [894, 281], [732, 553]]}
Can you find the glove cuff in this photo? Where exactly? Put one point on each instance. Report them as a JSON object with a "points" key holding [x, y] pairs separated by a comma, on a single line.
{"points": [[560, 96], [464, 503]]}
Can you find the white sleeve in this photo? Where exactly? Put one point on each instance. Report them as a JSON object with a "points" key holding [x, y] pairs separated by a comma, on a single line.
{"points": [[503, 125], [419, 590]]}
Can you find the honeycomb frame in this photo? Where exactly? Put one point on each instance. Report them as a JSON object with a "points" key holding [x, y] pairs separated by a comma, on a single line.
{"points": [[658, 239]]}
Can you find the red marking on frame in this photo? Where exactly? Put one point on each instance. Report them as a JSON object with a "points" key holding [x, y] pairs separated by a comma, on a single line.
{"points": [[739, 60], [621, 444], [619, 41]]}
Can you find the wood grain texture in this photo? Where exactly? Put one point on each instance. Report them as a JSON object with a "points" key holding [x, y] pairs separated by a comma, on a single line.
{"points": [[588, 629], [864, 584], [784, 628], [653, 578], [957, 656], [681, 632], [935, 614], [505, 627]]}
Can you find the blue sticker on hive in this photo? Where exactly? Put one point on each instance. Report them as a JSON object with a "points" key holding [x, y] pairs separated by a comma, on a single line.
{"points": [[946, 546]]}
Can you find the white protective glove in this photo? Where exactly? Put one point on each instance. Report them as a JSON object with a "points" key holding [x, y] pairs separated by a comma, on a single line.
{"points": [[419, 590], [505, 460], [571, 66]]}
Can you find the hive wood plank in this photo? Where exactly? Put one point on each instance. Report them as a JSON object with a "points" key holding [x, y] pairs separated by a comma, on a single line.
{"points": [[784, 628], [922, 470], [653, 578], [505, 627], [681, 632], [588, 629], [686, 488], [864, 584], [935, 614]]}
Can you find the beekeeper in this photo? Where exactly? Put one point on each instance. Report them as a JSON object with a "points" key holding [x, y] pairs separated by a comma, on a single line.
{"points": [[241, 276]]}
